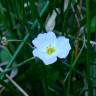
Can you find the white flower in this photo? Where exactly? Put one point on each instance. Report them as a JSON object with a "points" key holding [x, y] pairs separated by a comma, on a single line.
{"points": [[48, 47]]}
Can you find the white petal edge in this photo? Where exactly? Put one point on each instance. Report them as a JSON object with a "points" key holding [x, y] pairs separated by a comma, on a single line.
{"points": [[63, 47], [44, 57], [50, 61]]}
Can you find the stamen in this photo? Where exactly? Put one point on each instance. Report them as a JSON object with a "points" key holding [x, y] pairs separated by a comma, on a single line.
{"points": [[50, 50]]}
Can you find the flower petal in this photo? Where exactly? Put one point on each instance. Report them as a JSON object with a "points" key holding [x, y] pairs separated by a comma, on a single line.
{"points": [[44, 57], [51, 37], [50, 61], [63, 47], [39, 54], [44, 39], [39, 41]]}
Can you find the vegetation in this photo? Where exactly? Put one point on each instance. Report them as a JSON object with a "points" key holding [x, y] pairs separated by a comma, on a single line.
{"points": [[21, 74]]}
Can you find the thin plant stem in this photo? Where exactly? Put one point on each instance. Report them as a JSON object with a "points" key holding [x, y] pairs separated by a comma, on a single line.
{"points": [[74, 63], [15, 84], [88, 21], [18, 65]]}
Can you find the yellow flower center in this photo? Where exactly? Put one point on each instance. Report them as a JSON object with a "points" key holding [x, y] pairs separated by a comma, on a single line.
{"points": [[50, 50]]}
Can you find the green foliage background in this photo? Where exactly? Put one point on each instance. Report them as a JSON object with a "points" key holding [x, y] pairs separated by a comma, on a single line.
{"points": [[19, 25]]}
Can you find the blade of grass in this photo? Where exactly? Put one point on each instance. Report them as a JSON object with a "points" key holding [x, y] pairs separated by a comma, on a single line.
{"points": [[15, 84], [16, 53], [7, 87], [66, 17], [88, 21], [69, 79], [74, 63], [17, 65]]}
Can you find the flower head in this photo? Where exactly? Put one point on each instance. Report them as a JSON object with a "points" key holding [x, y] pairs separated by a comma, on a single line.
{"points": [[48, 47]]}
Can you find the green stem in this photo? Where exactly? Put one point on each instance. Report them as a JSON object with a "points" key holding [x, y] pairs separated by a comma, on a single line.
{"points": [[17, 65], [16, 53], [88, 48], [74, 63]]}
